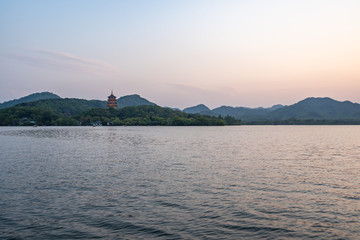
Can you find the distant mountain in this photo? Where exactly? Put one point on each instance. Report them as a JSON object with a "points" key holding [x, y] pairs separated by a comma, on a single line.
{"points": [[132, 100], [30, 98], [201, 108], [242, 113], [309, 108], [277, 106], [66, 106], [318, 109]]}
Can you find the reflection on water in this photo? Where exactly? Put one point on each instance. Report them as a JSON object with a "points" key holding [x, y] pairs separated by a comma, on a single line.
{"points": [[252, 182]]}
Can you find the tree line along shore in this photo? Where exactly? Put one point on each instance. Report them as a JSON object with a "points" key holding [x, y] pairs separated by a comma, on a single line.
{"points": [[127, 116]]}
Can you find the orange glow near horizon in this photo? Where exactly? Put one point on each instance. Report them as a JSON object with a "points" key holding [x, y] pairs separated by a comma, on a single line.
{"points": [[182, 53]]}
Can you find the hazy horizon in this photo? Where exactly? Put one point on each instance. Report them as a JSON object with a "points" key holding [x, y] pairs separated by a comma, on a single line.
{"points": [[182, 53]]}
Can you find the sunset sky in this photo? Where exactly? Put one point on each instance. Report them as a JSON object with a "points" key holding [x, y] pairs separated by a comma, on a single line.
{"points": [[182, 53]]}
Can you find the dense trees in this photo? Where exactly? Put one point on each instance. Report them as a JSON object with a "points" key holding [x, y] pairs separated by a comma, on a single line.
{"points": [[66, 106], [25, 116], [147, 116], [133, 116], [129, 116]]}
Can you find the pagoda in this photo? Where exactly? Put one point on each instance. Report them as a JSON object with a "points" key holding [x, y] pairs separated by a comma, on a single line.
{"points": [[111, 103]]}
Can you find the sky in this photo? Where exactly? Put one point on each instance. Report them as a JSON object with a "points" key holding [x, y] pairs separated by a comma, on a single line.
{"points": [[181, 53]]}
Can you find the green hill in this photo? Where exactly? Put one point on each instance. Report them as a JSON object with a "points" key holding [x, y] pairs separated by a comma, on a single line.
{"points": [[201, 108], [66, 106], [73, 106], [132, 100], [47, 108], [30, 98]]}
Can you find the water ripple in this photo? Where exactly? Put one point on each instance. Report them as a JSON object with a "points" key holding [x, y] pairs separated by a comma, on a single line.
{"points": [[248, 182]]}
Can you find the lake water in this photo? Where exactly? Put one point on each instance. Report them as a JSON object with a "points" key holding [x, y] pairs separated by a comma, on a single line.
{"points": [[241, 182]]}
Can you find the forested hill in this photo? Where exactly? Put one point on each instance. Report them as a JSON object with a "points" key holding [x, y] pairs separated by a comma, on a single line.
{"points": [[72, 105], [30, 98], [201, 108], [128, 116], [308, 111], [66, 106], [133, 100]]}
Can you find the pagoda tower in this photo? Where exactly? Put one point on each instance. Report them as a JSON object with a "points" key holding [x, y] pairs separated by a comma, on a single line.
{"points": [[111, 103]]}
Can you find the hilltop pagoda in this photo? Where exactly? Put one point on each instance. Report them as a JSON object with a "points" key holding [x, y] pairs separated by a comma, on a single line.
{"points": [[111, 103]]}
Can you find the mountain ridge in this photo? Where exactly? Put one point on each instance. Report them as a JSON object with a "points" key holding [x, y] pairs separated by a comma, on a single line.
{"points": [[133, 100], [197, 109], [316, 108], [29, 98]]}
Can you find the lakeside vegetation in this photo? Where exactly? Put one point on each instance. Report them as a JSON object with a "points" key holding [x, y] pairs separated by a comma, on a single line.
{"points": [[137, 116], [145, 115], [127, 116], [48, 109]]}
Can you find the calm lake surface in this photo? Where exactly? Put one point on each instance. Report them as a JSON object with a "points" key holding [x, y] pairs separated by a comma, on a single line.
{"points": [[242, 182]]}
